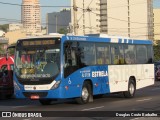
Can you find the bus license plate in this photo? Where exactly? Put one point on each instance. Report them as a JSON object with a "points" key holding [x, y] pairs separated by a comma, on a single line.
{"points": [[34, 97]]}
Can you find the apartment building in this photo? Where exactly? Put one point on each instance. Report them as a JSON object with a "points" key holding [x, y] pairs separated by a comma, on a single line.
{"points": [[58, 20], [31, 17], [15, 26], [129, 18], [85, 16], [156, 24]]}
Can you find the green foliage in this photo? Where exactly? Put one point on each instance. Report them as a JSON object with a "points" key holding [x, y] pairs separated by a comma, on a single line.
{"points": [[4, 27], [62, 31], [156, 50], [2, 51], [11, 49]]}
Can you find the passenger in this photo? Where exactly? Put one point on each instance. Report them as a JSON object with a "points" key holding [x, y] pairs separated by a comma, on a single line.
{"points": [[116, 60]]}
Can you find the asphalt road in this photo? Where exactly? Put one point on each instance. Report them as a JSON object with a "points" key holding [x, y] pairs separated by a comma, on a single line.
{"points": [[146, 99]]}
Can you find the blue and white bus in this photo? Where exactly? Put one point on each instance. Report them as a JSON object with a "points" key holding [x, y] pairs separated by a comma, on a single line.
{"points": [[60, 67]]}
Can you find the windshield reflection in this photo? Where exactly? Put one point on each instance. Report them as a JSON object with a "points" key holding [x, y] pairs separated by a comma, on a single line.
{"points": [[37, 63]]}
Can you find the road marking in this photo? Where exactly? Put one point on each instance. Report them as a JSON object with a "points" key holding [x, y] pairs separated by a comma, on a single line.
{"points": [[136, 118], [144, 100], [92, 108], [22, 106]]}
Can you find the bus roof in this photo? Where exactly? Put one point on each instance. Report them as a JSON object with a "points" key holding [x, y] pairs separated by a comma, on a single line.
{"points": [[95, 38], [109, 39], [43, 36]]}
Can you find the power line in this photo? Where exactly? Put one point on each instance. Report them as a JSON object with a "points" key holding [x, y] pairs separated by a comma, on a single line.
{"points": [[30, 5], [86, 10], [122, 19], [19, 21]]}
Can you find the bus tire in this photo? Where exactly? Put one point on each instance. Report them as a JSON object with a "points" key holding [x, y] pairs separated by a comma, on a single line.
{"points": [[131, 90], [86, 94], [45, 101]]}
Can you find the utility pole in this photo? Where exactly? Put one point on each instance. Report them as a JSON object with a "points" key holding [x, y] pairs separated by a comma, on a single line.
{"points": [[129, 22], [83, 19], [56, 24], [150, 20], [75, 17], [90, 22]]}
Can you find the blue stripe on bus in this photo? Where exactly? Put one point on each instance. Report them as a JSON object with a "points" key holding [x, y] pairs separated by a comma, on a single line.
{"points": [[130, 41], [125, 40], [119, 40], [142, 42]]}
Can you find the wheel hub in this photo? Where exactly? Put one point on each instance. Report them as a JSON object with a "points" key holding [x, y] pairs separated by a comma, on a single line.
{"points": [[85, 94]]}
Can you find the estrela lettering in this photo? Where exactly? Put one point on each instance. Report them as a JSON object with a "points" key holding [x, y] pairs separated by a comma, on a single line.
{"points": [[99, 73]]}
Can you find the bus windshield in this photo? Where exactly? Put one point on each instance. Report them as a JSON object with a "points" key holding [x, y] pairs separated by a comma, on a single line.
{"points": [[38, 61]]}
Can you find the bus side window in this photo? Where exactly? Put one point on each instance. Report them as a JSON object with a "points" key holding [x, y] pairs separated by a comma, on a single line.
{"points": [[130, 55], [142, 54], [102, 53], [115, 54], [70, 58]]}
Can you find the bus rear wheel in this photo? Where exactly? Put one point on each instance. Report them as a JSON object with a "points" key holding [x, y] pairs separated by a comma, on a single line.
{"points": [[45, 101], [86, 94], [131, 90]]}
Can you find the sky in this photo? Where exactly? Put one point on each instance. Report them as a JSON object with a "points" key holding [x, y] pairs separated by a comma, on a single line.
{"points": [[14, 12], [156, 4]]}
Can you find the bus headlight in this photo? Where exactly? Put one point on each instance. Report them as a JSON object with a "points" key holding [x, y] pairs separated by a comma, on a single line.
{"points": [[16, 86], [56, 85]]}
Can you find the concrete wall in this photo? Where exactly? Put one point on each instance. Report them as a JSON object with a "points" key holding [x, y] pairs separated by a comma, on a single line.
{"points": [[156, 25]]}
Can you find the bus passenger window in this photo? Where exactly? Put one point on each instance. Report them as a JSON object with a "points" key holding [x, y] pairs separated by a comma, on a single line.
{"points": [[100, 59], [116, 60]]}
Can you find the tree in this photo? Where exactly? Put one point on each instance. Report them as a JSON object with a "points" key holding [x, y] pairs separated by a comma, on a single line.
{"points": [[4, 27], [11, 49], [62, 31], [156, 50], [2, 51]]}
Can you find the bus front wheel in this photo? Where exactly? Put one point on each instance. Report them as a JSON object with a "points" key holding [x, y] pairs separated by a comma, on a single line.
{"points": [[86, 94], [131, 90]]}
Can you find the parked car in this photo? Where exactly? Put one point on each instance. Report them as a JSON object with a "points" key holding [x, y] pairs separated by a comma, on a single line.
{"points": [[6, 77], [6, 73], [157, 70]]}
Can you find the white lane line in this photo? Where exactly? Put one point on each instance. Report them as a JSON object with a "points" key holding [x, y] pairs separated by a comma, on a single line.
{"points": [[92, 108], [136, 118], [144, 100], [22, 106]]}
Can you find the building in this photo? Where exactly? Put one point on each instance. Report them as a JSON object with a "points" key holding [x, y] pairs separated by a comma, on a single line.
{"points": [[31, 17], [58, 20], [85, 16], [2, 33], [15, 26], [129, 18], [156, 25], [13, 36], [3, 46]]}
